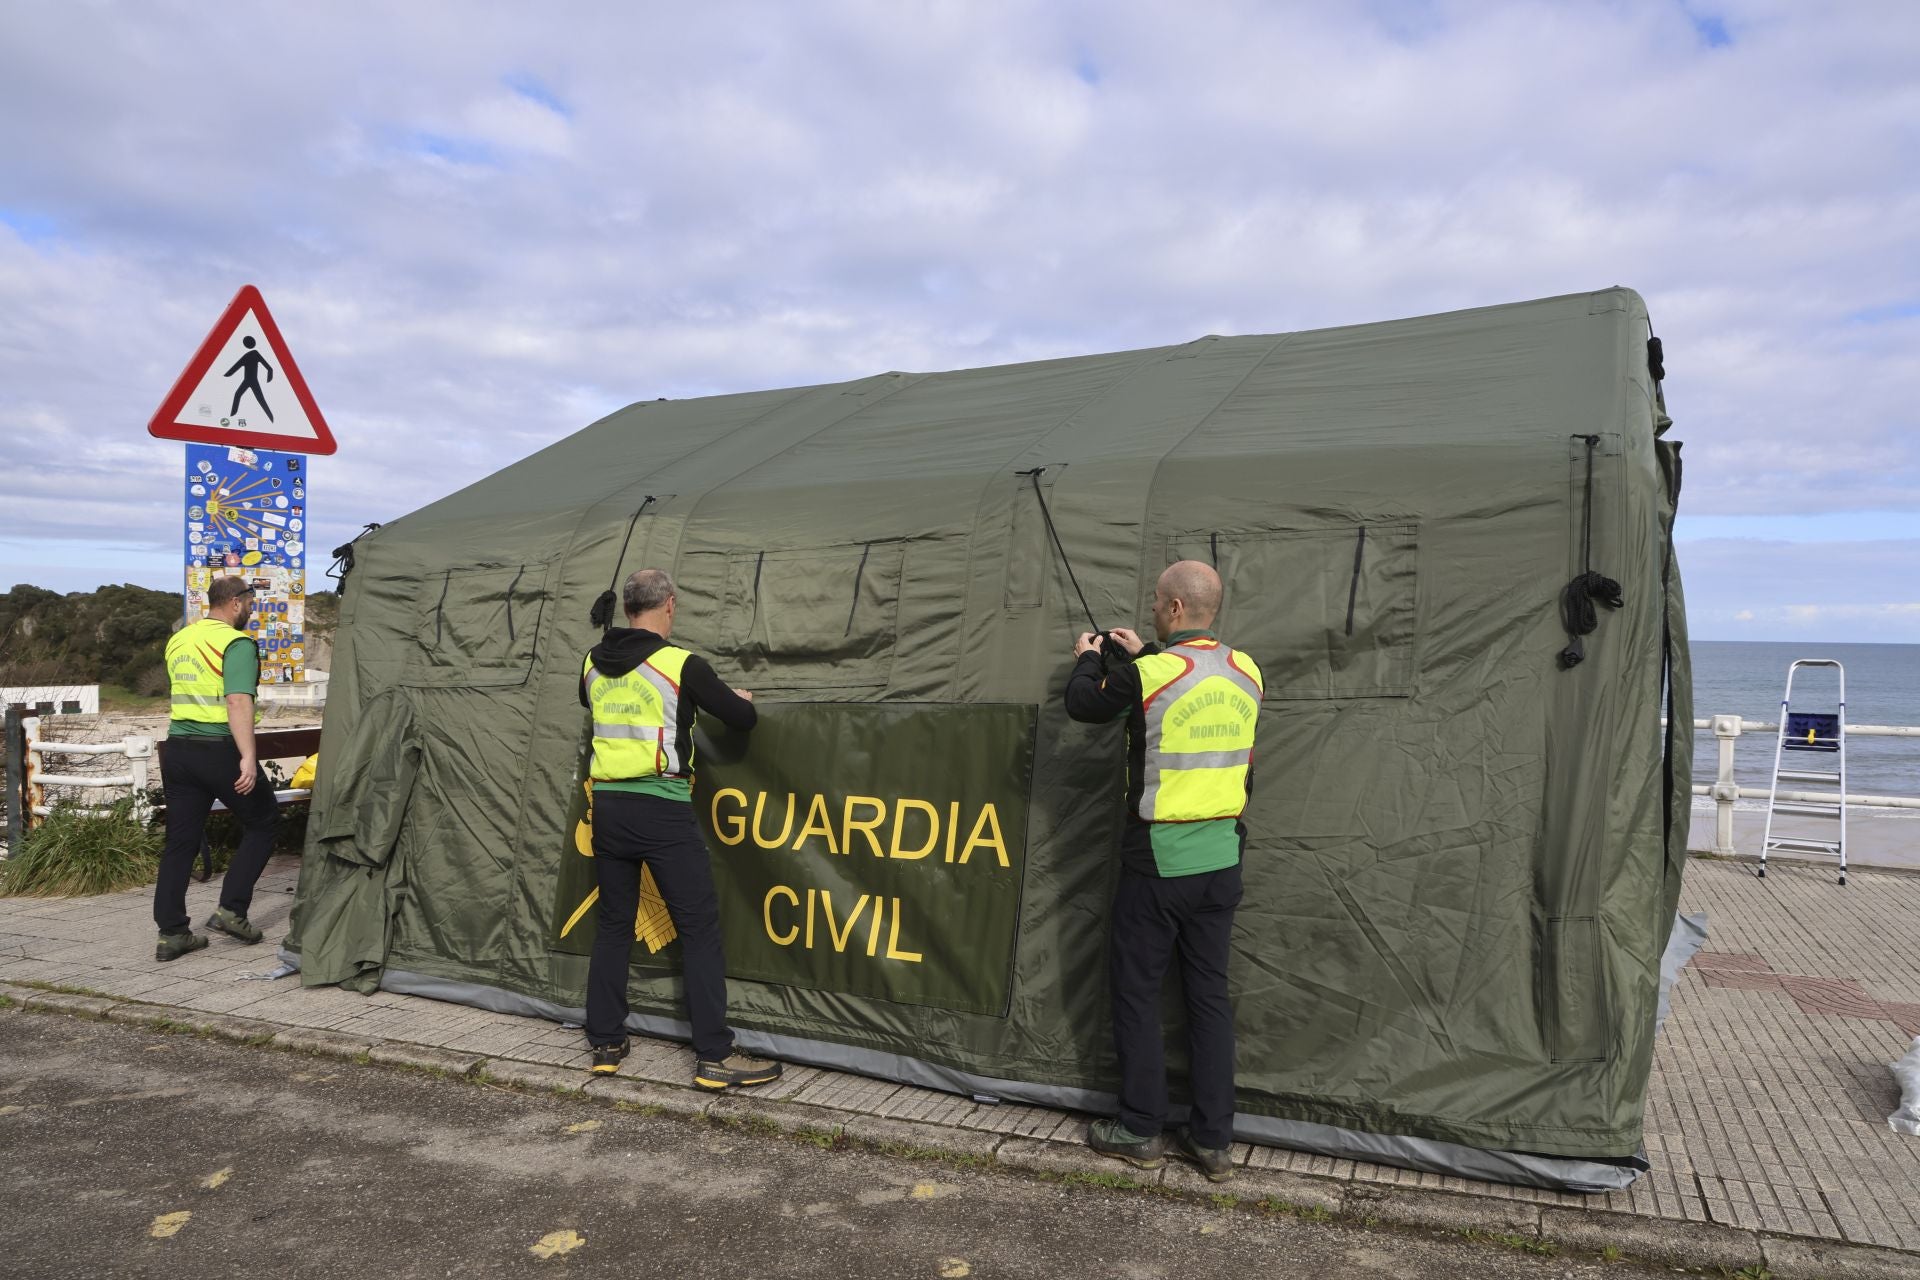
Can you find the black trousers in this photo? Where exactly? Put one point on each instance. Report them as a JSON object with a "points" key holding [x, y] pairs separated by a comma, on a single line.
{"points": [[195, 772], [1154, 920], [631, 830]]}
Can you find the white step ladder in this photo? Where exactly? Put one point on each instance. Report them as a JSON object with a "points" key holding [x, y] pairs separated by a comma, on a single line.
{"points": [[1815, 732]]}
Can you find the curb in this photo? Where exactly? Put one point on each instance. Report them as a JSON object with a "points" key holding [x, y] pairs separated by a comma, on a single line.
{"points": [[1535, 1227]]}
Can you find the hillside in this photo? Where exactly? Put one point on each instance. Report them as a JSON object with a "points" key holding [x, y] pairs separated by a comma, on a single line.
{"points": [[115, 636]]}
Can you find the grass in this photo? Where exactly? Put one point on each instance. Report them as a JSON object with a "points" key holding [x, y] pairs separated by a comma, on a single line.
{"points": [[1525, 1244], [119, 700], [1304, 1212], [74, 854]]}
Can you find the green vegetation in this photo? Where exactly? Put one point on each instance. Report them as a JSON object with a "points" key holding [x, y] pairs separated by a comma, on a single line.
{"points": [[76, 854], [115, 637]]}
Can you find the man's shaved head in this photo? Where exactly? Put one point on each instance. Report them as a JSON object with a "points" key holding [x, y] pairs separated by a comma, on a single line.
{"points": [[1194, 584]]}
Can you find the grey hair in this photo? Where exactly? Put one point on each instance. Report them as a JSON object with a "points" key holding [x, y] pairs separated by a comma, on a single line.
{"points": [[646, 590]]}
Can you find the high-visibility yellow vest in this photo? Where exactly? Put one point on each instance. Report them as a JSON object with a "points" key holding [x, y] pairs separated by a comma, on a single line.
{"points": [[196, 662], [636, 718], [1202, 705]]}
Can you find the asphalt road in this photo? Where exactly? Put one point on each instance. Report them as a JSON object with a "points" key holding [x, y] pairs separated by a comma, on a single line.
{"points": [[127, 1152]]}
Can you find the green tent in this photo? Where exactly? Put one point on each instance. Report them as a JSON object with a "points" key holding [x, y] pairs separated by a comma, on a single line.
{"points": [[1465, 847]]}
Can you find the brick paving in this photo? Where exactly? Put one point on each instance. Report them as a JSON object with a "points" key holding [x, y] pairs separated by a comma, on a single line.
{"points": [[1766, 1110]]}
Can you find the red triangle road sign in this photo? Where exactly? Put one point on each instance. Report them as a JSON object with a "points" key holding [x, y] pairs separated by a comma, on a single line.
{"points": [[242, 387]]}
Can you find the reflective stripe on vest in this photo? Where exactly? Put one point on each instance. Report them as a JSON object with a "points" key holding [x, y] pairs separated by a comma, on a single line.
{"points": [[1202, 705], [636, 718], [196, 667]]}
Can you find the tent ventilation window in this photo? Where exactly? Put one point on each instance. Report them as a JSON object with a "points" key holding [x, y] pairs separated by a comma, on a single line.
{"points": [[807, 618], [1577, 613], [481, 630], [1347, 627]]}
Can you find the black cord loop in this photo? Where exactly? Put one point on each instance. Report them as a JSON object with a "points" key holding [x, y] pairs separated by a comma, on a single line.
{"points": [[1577, 599]]}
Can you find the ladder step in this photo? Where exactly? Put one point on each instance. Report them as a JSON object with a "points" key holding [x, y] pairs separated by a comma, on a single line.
{"points": [[1807, 775], [1812, 810], [1806, 846]]}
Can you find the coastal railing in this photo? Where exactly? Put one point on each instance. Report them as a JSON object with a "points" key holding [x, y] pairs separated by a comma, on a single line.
{"points": [[31, 793], [1727, 732]]}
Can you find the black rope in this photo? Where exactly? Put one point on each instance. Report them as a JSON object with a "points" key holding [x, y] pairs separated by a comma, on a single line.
{"points": [[602, 613], [1577, 613], [510, 590], [758, 561], [439, 610], [1353, 589], [343, 559], [1035, 473], [866, 549], [1213, 544]]}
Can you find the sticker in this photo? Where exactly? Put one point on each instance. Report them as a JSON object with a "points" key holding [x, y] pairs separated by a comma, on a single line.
{"points": [[196, 526], [245, 457], [296, 524], [195, 538], [276, 484], [253, 544], [266, 466], [206, 466], [280, 501], [198, 490]]}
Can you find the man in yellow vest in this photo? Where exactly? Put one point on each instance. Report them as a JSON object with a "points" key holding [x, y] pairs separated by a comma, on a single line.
{"points": [[213, 668], [644, 694], [1192, 708]]}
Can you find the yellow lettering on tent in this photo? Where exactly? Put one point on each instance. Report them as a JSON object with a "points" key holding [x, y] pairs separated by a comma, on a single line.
{"points": [[893, 941], [988, 821], [818, 823], [810, 896], [873, 927], [895, 847], [840, 936], [779, 841], [734, 829], [867, 827], [766, 914], [953, 827]]}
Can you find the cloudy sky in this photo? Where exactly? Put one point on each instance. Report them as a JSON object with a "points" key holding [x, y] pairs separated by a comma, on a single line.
{"points": [[482, 226]]}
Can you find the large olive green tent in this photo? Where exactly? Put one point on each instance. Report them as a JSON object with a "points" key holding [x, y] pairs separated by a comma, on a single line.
{"points": [[1465, 847]]}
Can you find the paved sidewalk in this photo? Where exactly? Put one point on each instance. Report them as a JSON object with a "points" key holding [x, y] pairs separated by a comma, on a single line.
{"points": [[1766, 1113]]}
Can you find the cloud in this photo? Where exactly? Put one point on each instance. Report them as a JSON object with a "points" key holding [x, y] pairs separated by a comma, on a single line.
{"points": [[479, 228]]}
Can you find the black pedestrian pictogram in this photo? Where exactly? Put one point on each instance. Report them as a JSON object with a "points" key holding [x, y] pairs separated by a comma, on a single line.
{"points": [[252, 362]]}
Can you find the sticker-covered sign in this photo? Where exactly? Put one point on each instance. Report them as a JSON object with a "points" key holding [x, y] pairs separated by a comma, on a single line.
{"points": [[228, 496]]}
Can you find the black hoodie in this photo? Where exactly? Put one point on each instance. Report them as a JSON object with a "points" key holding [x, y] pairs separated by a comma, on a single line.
{"points": [[701, 688]]}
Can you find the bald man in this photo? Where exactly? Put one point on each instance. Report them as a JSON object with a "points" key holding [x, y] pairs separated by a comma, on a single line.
{"points": [[1192, 707]]}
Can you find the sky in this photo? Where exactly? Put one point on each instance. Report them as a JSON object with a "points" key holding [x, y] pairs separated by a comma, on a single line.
{"points": [[482, 226]]}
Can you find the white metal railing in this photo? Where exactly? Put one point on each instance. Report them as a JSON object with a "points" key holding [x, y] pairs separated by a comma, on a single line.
{"points": [[136, 781], [1727, 731]]}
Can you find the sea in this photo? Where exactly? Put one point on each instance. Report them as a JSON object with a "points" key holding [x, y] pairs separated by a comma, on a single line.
{"points": [[1747, 678]]}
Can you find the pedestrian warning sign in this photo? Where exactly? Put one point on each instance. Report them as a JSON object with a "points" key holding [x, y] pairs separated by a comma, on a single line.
{"points": [[243, 388]]}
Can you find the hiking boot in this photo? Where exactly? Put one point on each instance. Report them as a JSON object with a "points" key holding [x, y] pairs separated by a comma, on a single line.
{"points": [[1215, 1162], [235, 926], [736, 1070], [1111, 1138], [607, 1057], [174, 945]]}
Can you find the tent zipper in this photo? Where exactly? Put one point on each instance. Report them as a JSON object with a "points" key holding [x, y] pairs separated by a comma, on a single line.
{"points": [[440, 609], [866, 549], [1353, 588], [1035, 474], [511, 588]]}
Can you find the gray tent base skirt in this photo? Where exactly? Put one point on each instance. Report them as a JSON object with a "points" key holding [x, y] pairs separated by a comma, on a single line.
{"points": [[1519, 1168]]}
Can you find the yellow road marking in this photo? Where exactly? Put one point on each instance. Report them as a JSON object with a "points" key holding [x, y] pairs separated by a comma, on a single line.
{"points": [[555, 1243], [954, 1268], [11, 1111], [213, 1180], [168, 1225], [585, 1126]]}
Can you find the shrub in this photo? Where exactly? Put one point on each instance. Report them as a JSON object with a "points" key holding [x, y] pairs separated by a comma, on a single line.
{"points": [[75, 854]]}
